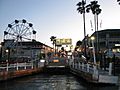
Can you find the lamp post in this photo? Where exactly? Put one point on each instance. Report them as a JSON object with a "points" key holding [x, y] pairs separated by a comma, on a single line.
{"points": [[7, 54], [7, 60], [94, 57]]}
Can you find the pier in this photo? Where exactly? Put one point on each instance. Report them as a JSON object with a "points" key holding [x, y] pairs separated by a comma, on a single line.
{"points": [[92, 73]]}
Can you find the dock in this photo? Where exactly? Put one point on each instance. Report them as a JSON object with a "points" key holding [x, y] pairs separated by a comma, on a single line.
{"points": [[93, 74]]}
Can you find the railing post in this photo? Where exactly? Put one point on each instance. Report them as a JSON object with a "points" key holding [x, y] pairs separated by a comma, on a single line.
{"points": [[79, 65], [82, 66], [38, 64], [32, 64], [7, 67], [110, 68], [73, 65], [88, 67], [94, 69], [25, 66], [17, 66]]}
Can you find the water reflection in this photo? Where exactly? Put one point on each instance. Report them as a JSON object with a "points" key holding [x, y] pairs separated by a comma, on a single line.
{"points": [[51, 82]]}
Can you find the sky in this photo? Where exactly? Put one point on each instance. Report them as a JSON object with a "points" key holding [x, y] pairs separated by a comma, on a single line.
{"points": [[57, 17]]}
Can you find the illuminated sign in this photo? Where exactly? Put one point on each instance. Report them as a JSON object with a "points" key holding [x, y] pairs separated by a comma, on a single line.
{"points": [[64, 41]]}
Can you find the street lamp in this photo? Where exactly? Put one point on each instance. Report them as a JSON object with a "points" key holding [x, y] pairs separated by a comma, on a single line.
{"points": [[8, 54], [94, 57]]}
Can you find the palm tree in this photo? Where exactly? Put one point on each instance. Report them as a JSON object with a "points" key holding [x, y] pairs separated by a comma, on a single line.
{"points": [[82, 10], [118, 2], [79, 43], [95, 8], [53, 39]]}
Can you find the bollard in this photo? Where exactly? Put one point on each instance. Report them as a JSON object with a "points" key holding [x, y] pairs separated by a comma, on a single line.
{"points": [[110, 68]]}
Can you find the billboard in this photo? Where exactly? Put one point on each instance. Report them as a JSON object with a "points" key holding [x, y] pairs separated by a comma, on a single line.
{"points": [[64, 41]]}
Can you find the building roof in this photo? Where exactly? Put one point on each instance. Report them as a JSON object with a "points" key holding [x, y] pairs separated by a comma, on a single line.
{"points": [[111, 32]]}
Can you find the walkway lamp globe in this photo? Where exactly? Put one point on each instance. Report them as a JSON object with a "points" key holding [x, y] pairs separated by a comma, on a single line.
{"points": [[6, 51], [92, 38], [8, 54]]}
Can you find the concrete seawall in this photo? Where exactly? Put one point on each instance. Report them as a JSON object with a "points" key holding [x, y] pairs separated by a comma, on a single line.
{"points": [[4, 75]]}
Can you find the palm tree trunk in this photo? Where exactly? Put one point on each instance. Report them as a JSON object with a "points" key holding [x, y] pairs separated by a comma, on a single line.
{"points": [[84, 34], [96, 31], [97, 34]]}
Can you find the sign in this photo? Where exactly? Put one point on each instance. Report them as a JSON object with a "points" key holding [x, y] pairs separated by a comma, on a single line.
{"points": [[64, 41]]}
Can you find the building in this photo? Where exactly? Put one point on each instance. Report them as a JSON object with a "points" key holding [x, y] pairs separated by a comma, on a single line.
{"points": [[27, 50], [106, 39]]}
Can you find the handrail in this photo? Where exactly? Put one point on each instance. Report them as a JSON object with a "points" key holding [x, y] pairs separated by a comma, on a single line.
{"points": [[7, 66]]}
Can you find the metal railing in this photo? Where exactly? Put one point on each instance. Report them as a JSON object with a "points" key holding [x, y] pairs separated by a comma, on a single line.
{"points": [[20, 66], [91, 68]]}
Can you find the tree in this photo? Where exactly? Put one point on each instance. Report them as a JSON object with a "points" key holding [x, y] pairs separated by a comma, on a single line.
{"points": [[53, 39], [82, 10], [79, 43], [95, 8], [118, 2]]}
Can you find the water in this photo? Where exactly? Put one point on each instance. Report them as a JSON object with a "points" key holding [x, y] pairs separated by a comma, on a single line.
{"points": [[51, 82]]}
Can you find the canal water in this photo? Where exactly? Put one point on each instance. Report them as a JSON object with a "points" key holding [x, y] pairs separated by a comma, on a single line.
{"points": [[52, 82]]}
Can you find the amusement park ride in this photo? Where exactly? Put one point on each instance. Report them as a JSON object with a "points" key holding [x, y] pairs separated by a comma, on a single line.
{"points": [[16, 34], [20, 30]]}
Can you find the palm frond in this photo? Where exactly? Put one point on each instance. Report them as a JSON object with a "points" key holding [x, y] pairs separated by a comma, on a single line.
{"points": [[79, 4]]}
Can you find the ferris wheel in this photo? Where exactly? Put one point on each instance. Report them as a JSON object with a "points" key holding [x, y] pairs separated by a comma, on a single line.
{"points": [[16, 34], [20, 30]]}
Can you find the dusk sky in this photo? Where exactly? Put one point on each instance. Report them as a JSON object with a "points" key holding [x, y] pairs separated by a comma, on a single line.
{"points": [[57, 17]]}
